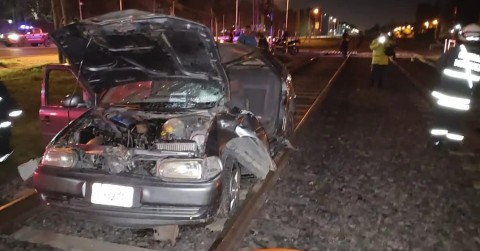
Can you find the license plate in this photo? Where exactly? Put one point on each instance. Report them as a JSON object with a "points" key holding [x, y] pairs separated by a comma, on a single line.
{"points": [[112, 195]]}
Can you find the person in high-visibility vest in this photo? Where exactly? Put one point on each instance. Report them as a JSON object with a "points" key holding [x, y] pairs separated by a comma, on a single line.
{"points": [[379, 59], [460, 74]]}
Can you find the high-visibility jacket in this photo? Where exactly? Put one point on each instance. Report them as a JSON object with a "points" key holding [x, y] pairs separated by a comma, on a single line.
{"points": [[459, 73], [378, 51]]}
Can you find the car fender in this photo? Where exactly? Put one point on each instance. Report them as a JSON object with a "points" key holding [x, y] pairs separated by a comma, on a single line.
{"points": [[241, 137]]}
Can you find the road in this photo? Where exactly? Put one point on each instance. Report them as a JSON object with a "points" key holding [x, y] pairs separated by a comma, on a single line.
{"points": [[26, 51]]}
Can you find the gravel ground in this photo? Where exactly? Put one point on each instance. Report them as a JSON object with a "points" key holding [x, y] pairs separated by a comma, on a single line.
{"points": [[366, 180], [12, 190], [10, 244]]}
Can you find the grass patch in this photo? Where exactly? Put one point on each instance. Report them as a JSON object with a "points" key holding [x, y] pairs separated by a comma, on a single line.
{"points": [[24, 86], [17, 65]]}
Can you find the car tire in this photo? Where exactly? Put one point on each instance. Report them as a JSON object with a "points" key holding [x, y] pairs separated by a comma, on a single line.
{"points": [[47, 43], [34, 45], [293, 50], [230, 197]]}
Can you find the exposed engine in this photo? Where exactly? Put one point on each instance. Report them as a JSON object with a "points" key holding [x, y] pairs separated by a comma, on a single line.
{"points": [[121, 140]]}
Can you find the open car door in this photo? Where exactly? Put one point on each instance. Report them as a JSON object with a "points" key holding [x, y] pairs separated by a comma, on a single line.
{"points": [[63, 99]]}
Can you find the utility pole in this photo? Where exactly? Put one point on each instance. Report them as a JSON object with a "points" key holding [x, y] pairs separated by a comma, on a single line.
{"points": [[253, 14], [286, 15], [236, 14], [64, 13], [120, 4], [80, 9], [173, 8]]}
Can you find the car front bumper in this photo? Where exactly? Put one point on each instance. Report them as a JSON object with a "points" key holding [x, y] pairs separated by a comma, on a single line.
{"points": [[155, 202]]}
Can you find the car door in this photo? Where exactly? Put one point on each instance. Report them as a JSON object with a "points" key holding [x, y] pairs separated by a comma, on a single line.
{"points": [[60, 82]]}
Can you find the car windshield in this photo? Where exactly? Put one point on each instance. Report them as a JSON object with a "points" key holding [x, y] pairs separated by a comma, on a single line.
{"points": [[174, 92]]}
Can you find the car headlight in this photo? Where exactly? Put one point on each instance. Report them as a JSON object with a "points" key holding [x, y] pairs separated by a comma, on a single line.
{"points": [[59, 157], [180, 169], [1, 36], [189, 169], [13, 36], [15, 113], [5, 124]]}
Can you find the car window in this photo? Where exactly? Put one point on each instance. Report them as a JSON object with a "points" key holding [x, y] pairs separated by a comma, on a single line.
{"points": [[60, 84]]}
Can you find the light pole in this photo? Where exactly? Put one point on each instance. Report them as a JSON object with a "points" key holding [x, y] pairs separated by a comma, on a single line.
{"points": [[315, 13], [334, 26], [286, 15], [435, 23], [80, 8], [120, 4], [236, 14]]}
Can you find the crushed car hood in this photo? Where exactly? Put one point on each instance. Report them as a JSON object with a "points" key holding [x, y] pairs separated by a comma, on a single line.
{"points": [[131, 46]]}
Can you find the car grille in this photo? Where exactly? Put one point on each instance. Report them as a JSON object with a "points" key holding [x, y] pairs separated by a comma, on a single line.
{"points": [[178, 146]]}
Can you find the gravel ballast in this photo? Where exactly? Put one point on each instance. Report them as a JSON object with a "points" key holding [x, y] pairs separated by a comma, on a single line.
{"points": [[366, 179]]}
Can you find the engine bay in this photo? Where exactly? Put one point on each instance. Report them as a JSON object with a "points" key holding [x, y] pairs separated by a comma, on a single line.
{"points": [[119, 140]]}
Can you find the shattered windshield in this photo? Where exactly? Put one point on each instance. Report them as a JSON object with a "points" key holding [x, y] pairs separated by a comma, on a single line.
{"points": [[184, 93]]}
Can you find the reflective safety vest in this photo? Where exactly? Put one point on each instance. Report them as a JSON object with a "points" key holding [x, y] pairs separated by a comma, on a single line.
{"points": [[460, 73]]}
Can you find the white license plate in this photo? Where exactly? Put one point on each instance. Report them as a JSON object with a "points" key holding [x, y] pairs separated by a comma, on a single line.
{"points": [[112, 195]]}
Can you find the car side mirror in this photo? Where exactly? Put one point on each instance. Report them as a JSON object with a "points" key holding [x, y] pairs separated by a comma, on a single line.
{"points": [[73, 101]]}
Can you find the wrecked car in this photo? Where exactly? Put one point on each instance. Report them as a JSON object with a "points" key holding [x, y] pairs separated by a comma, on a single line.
{"points": [[160, 123]]}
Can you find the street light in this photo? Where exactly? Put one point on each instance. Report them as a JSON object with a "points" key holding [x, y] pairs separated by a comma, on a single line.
{"points": [[427, 24], [315, 12], [435, 22]]}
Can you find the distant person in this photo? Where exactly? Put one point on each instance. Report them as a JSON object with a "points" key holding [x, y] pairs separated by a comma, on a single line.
{"points": [[262, 41], [7, 106], [460, 75], [285, 35], [344, 44], [248, 38], [231, 35], [379, 59]]}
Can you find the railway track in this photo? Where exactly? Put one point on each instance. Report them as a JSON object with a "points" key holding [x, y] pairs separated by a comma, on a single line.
{"points": [[469, 154], [24, 220]]}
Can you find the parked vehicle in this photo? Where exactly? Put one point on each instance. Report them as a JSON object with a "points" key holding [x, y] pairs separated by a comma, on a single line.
{"points": [[290, 46], [25, 35], [162, 121]]}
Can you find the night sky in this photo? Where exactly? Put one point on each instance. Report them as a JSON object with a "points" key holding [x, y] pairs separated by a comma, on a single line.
{"points": [[363, 13]]}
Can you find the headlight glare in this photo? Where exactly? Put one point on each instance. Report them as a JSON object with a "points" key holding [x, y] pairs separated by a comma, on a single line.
{"points": [[5, 124], [13, 36], [59, 157], [182, 169], [15, 113]]}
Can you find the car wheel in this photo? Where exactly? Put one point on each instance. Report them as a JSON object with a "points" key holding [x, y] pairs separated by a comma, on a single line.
{"points": [[47, 43], [230, 198], [293, 50], [34, 45]]}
